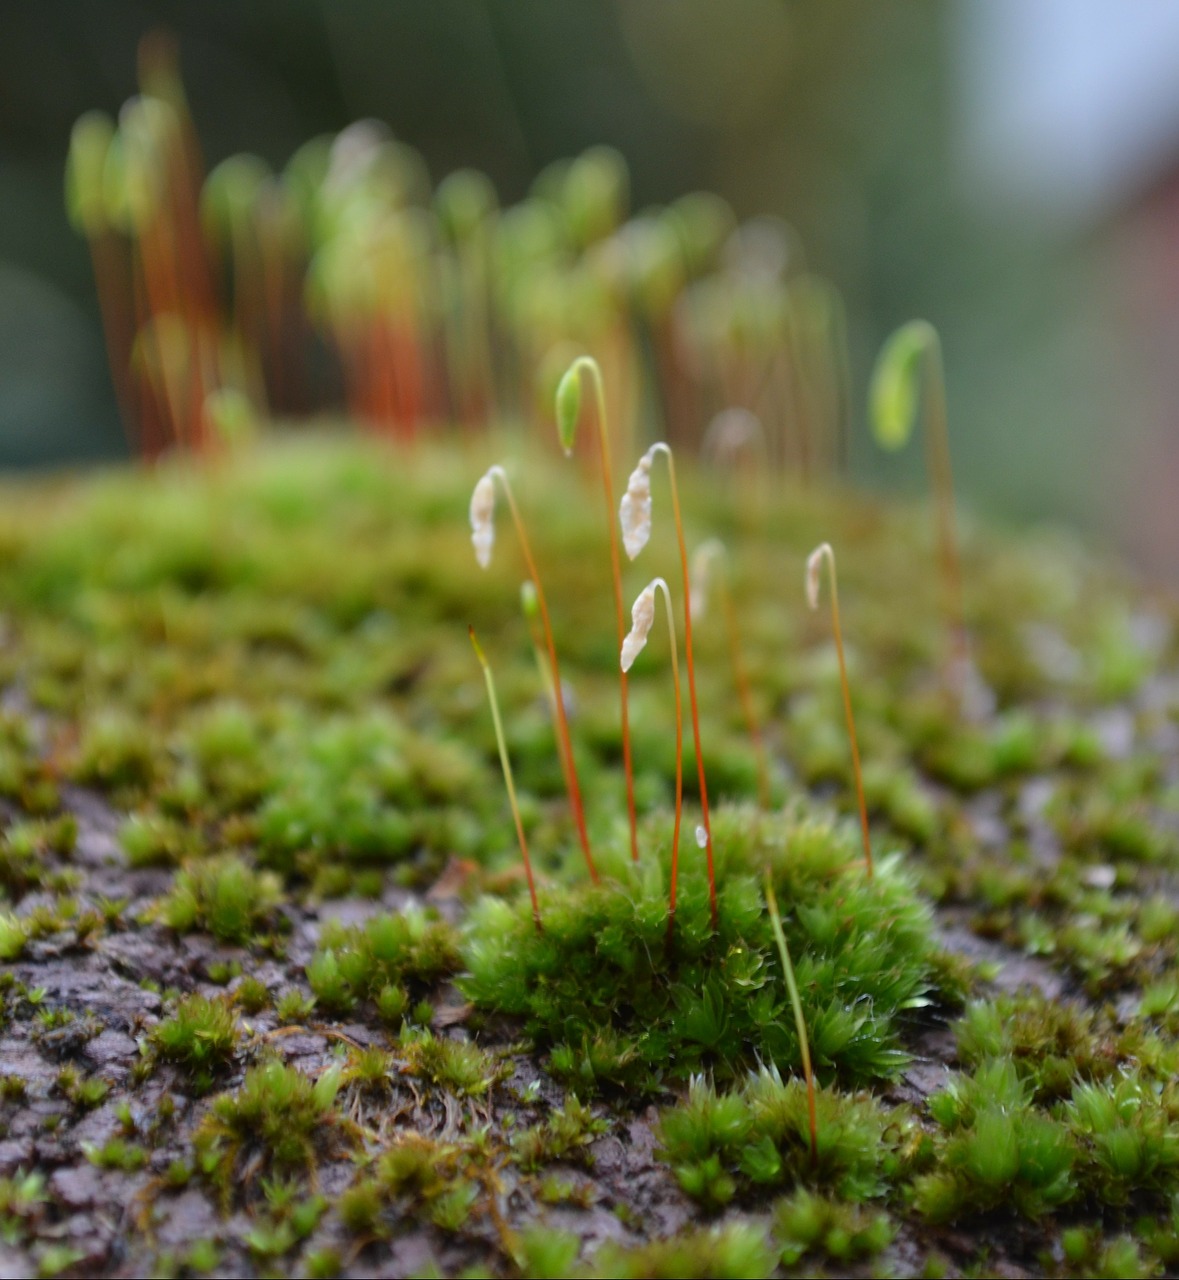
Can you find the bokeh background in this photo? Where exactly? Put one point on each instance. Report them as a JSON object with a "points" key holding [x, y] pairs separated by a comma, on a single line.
{"points": [[1008, 170]]}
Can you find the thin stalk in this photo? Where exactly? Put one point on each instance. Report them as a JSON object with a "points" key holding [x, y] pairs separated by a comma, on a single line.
{"points": [[679, 530], [813, 566], [937, 449], [565, 742], [507, 768], [658, 584], [589, 365], [536, 639], [799, 1021], [745, 694]]}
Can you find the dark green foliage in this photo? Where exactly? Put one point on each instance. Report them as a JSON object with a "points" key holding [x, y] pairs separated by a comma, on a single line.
{"points": [[758, 1136], [600, 987]]}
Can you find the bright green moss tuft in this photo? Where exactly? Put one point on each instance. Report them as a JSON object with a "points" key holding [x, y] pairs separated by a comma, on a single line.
{"points": [[807, 1224], [376, 960], [758, 1137], [201, 1036], [600, 987]]}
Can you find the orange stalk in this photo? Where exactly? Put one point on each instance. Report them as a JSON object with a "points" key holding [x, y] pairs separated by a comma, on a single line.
{"points": [[679, 530], [564, 739], [567, 413], [642, 616], [813, 568], [711, 551]]}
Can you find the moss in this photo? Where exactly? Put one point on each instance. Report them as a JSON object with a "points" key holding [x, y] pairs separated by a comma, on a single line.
{"points": [[736, 1249], [601, 987], [998, 1150], [222, 895], [415, 1177], [201, 1035], [565, 1136], [758, 1137], [14, 933], [457, 1066], [279, 1119], [1129, 1133], [377, 960], [269, 672], [811, 1225]]}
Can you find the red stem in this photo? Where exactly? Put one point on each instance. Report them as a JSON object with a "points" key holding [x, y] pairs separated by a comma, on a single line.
{"points": [[679, 529], [564, 739]]}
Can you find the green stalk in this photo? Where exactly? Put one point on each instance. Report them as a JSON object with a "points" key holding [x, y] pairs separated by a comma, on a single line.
{"points": [[507, 768], [799, 1021]]}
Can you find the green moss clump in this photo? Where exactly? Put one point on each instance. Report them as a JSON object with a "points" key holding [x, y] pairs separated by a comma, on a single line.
{"points": [[457, 1066], [278, 1118], [415, 1177], [1128, 1130], [14, 934], [358, 790], [375, 961], [758, 1136], [999, 1151], [201, 1036], [1052, 1043], [735, 1250], [808, 1224], [223, 895], [28, 852], [116, 754], [601, 987], [564, 1136]]}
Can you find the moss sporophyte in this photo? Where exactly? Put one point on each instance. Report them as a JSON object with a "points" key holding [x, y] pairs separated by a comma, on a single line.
{"points": [[483, 539], [659, 970]]}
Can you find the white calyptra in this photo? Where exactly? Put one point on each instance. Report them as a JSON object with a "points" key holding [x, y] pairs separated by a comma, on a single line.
{"points": [[814, 566], [483, 519], [701, 838], [635, 509], [642, 615]]}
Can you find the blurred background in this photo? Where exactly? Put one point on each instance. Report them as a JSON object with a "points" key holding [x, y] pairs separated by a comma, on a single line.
{"points": [[1007, 170]]}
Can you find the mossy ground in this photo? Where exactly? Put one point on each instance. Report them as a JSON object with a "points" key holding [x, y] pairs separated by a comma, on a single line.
{"points": [[273, 999]]}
